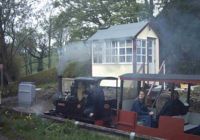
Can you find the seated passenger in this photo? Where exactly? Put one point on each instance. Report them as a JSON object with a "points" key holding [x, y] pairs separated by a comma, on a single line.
{"points": [[174, 107], [144, 115]]}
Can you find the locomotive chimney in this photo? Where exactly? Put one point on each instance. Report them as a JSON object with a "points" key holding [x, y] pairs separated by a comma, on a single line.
{"points": [[60, 84]]}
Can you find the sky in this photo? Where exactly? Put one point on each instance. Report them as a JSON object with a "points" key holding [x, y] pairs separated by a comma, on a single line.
{"points": [[42, 10], [39, 4]]}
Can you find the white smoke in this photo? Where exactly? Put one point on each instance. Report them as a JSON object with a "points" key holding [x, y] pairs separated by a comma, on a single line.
{"points": [[38, 109], [72, 52]]}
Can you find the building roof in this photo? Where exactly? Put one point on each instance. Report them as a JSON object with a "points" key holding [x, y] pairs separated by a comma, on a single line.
{"points": [[119, 31]]}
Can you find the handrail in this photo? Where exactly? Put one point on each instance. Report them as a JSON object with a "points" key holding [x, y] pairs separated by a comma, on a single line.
{"points": [[141, 67], [162, 66]]}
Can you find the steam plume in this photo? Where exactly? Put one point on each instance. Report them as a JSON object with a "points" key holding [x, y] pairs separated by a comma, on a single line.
{"points": [[73, 52]]}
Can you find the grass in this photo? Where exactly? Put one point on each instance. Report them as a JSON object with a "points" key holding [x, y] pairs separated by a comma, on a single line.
{"points": [[31, 127]]}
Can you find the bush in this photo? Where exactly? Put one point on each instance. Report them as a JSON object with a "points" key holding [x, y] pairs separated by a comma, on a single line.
{"points": [[10, 90], [75, 69]]}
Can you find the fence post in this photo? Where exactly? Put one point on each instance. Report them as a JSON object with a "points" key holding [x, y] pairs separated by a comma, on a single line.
{"points": [[1, 69]]}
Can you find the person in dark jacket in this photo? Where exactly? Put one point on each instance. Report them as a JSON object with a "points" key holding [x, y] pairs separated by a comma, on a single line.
{"points": [[174, 107], [90, 102], [144, 115], [94, 102], [99, 102]]}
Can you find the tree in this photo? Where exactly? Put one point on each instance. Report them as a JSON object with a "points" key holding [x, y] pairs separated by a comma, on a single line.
{"points": [[13, 15], [152, 8], [25, 39], [178, 28], [38, 49], [60, 32], [47, 24], [84, 17]]}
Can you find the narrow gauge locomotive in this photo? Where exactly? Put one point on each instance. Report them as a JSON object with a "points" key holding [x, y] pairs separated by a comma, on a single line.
{"points": [[88, 100]]}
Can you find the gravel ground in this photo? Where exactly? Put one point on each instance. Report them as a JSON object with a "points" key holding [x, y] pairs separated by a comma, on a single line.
{"points": [[42, 103]]}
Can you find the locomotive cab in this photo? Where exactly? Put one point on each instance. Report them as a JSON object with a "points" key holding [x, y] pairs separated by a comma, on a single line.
{"points": [[89, 100]]}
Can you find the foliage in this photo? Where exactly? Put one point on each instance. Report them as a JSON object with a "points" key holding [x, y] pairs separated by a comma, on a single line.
{"points": [[13, 15], [31, 127], [33, 46], [75, 69], [15, 65], [84, 17], [14, 71], [10, 90], [178, 28]]}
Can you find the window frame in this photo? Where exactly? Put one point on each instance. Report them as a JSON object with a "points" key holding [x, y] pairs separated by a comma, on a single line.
{"points": [[110, 52], [142, 48], [97, 51]]}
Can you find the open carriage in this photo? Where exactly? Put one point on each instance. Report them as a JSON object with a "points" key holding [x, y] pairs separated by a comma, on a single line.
{"points": [[169, 127]]}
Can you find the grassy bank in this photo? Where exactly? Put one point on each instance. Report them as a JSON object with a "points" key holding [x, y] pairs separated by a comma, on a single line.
{"points": [[49, 77], [31, 127]]}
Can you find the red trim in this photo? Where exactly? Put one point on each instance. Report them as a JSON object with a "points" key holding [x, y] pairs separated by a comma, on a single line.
{"points": [[126, 120], [169, 128]]}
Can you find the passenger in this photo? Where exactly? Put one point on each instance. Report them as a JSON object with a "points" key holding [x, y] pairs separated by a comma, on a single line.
{"points": [[174, 107], [144, 115]]}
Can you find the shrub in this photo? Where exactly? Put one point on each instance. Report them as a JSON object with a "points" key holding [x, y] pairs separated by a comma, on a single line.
{"points": [[75, 69]]}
